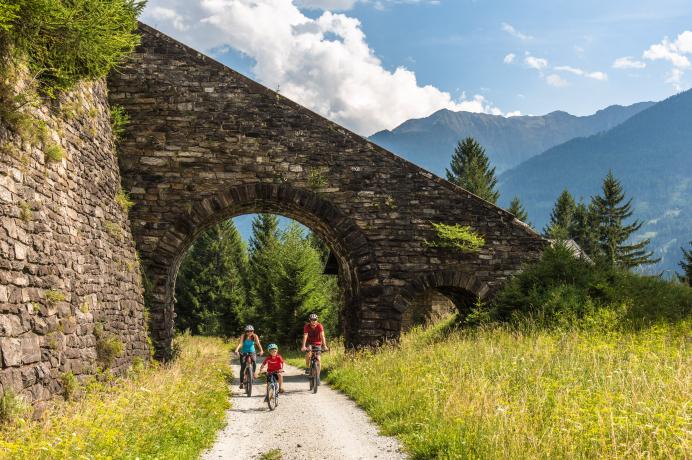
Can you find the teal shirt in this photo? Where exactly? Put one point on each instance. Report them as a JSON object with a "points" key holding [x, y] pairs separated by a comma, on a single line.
{"points": [[248, 346]]}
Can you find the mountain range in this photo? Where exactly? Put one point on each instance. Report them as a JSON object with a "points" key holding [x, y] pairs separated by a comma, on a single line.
{"points": [[648, 146], [429, 142]]}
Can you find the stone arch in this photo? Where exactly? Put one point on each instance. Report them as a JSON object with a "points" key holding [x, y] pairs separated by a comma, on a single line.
{"points": [[461, 288], [353, 253]]}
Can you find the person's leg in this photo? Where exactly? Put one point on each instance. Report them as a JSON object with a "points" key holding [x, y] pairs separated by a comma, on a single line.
{"points": [[281, 382], [254, 363], [307, 358], [242, 369]]}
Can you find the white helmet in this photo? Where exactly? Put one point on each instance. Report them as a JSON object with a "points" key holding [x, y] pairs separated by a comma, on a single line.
{"points": [[249, 328], [312, 317]]}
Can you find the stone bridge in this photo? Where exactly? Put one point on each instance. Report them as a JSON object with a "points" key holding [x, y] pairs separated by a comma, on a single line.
{"points": [[205, 143]]}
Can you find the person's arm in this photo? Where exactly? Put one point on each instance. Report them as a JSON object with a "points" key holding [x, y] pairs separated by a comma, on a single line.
{"points": [[259, 345], [240, 344], [260, 369], [324, 339], [305, 339]]}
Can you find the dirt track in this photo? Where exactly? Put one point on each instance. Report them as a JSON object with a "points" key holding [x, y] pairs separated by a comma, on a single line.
{"points": [[326, 425]]}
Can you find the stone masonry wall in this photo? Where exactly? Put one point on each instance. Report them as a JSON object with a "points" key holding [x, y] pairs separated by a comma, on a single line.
{"points": [[67, 258]]}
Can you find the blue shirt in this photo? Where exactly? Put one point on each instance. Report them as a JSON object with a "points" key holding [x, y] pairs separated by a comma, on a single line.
{"points": [[248, 346]]}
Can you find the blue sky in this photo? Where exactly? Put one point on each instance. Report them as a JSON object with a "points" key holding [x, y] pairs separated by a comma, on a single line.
{"points": [[372, 64]]}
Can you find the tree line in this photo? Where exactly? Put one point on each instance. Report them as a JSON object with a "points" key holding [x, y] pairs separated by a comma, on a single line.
{"points": [[601, 227], [273, 283]]}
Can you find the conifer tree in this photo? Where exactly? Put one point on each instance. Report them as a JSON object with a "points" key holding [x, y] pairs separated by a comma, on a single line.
{"points": [[517, 209], [210, 291], [686, 265], [470, 169], [584, 229], [561, 217], [263, 270], [613, 233]]}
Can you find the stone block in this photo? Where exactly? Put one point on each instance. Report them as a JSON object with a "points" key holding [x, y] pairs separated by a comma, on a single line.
{"points": [[31, 349], [11, 351]]}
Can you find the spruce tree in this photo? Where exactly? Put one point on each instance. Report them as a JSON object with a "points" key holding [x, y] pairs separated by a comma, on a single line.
{"points": [[517, 209], [584, 229], [613, 233], [561, 217], [470, 169], [263, 269], [686, 265], [210, 291]]}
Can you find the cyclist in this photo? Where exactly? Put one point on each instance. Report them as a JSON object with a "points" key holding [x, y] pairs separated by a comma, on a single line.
{"points": [[275, 364], [247, 344], [313, 335]]}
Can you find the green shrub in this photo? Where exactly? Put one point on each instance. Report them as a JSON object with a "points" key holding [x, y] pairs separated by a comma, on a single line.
{"points": [[12, 407], [460, 237], [64, 42], [108, 349], [123, 200], [54, 153], [316, 179], [70, 385], [25, 212], [119, 121], [53, 297]]}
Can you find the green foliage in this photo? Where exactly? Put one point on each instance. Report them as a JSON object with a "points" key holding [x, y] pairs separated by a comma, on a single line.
{"points": [[613, 233], [54, 153], [70, 385], [686, 265], [273, 454], [460, 237], [123, 200], [561, 217], [162, 412], [113, 229], [25, 212], [108, 349], [119, 121], [470, 169], [508, 393], [561, 290], [316, 179], [12, 407], [53, 296], [210, 288], [64, 42], [517, 209]]}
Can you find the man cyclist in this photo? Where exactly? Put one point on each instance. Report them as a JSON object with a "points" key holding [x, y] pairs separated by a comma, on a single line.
{"points": [[247, 347], [313, 336]]}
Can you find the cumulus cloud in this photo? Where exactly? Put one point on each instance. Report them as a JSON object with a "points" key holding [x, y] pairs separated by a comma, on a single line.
{"points": [[535, 62], [674, 52], [577, 71], [514, 32], [628, 62], [331, 5], [509, 58], [556, 80], [324, 63]]}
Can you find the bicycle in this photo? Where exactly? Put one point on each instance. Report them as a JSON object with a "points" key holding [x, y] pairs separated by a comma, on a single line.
{"points": [[248, 377], [272, 390], [314, 375]]}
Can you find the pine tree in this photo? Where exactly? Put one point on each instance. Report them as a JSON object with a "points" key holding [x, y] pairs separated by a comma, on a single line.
{"points": [[263, 269], [561, 217], [584, 229], [470, 169], [517, 209], [612, 231], [210, 291], [686, 265]]}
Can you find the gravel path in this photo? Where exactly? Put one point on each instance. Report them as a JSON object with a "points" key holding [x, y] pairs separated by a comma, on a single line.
{"points": [[305, 426]]}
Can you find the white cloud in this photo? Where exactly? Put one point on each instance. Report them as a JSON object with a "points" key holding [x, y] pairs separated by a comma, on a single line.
{"points": [[514, 32], [509, 58], [674, 52], [169, 15], [628, 62], [536, 63], [515, 113], [331, 5], [576, 71], [555, 80], [323, 63]]}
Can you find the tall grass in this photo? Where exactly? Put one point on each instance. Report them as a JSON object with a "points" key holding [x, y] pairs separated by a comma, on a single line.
{"points": [[504, 393], [167, 411]]}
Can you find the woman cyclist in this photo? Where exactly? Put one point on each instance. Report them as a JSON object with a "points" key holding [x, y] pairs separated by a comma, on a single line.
{"points": [[247, 346]]}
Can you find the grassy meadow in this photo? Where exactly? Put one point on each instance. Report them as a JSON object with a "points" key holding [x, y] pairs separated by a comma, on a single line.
{"points": [[163, 411], [501, 392]]}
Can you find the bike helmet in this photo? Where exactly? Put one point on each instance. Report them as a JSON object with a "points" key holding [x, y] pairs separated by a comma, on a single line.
{"points": [[272, 346], [312, 317], [249, 328]]}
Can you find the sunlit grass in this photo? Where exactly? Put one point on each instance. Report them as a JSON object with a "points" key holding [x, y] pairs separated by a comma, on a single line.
{"points": [[500, 393], [167, 411]]}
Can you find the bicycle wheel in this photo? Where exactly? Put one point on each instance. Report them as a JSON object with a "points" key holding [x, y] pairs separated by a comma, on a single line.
{"points": [[248, 380], [311, 377], [271, 397], [317, 377]]}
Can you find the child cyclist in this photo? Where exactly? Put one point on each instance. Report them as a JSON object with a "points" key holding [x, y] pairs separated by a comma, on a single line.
{"points": [[275, 364], [247, 346]]}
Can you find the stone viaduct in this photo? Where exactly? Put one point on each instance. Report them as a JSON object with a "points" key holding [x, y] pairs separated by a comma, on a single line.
{"points": [[205, 143]]}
